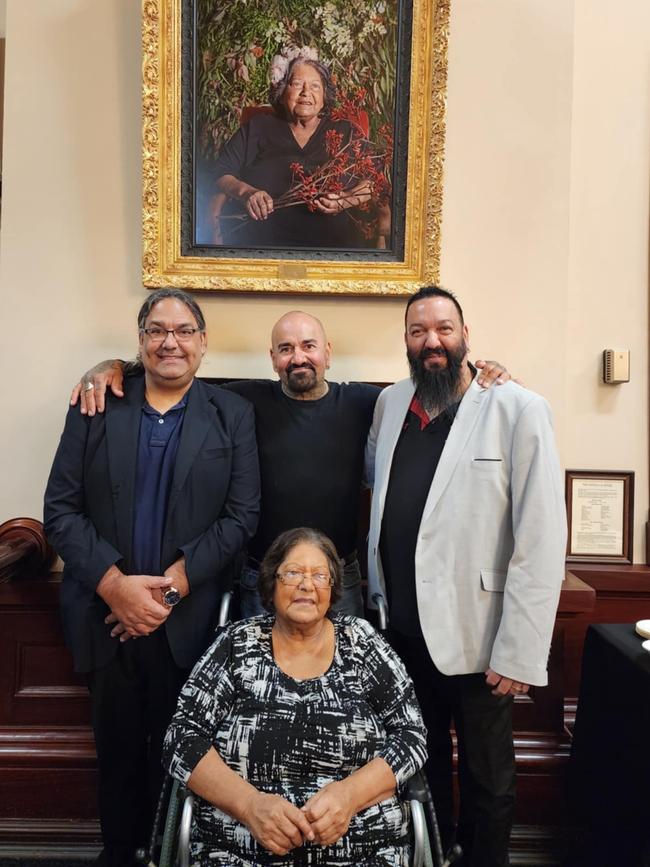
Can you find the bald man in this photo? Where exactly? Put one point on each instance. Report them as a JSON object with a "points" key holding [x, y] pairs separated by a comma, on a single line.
{"points": [[311, 436]]}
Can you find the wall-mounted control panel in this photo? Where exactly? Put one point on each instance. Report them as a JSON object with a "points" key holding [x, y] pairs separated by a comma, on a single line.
{"points": [[616, 365]]}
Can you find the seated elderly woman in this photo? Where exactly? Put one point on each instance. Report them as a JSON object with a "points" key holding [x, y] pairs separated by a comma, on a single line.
{"points": [[254, 168], [296, 728]]}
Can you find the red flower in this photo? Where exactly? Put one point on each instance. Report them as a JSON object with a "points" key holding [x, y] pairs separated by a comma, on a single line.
{"points": [[333, 141]]}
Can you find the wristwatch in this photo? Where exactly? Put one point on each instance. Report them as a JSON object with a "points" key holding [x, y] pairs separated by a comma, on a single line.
{"points": [[171, 597]]}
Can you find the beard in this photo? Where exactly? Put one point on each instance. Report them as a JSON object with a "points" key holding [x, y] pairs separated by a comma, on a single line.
{"points": [[301, 378], [437, 387]]}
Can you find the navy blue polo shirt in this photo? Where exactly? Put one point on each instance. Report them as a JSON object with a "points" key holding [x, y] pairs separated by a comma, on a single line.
{"points": [[157, 448]]}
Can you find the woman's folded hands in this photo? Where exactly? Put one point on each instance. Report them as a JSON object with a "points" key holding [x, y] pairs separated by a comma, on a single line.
{"points": [[275, 823], [329, 812], [279, 826]]}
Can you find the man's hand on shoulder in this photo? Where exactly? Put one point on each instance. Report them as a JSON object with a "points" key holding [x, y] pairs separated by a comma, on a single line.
{"points": [[493, 372], [505, 685], [90, 391]]}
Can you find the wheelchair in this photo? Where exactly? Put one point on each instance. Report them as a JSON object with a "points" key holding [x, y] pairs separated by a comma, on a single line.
{"points": [[173, 821]]}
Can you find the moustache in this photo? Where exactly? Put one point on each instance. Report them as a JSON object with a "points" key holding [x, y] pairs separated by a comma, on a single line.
{"points": [[429, 353], [293, 367]]}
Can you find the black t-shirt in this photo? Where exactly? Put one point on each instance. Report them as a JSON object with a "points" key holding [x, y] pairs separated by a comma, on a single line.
{"points": [[311, 459], [414, 464]]}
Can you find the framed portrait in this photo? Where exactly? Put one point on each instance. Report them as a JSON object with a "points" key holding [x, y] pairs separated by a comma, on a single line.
{"points": [[293, 146], [600, 514]]}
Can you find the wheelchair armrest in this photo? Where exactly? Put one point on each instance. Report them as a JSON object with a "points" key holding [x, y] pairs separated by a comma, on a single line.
{"points": [[416, 788], [224, 608], [382, 611]]}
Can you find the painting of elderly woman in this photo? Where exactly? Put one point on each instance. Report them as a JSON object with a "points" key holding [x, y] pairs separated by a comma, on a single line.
{"points": [[294, 124]]}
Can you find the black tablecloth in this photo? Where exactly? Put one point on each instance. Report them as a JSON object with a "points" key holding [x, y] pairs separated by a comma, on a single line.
{"points": [[609, 770]]}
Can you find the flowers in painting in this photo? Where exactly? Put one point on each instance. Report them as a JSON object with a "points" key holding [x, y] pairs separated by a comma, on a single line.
{"points": [[356, 171], [245, 45], [280, 62]]}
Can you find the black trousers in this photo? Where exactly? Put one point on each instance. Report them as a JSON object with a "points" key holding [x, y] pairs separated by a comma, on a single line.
{"points": [[133, 699], [486, 760]]}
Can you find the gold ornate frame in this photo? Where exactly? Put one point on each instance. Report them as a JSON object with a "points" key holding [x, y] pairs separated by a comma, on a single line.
{"points": [[163, 261]]}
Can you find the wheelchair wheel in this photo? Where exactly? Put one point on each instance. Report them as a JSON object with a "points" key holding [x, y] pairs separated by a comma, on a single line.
{"points": [[170, 832]]}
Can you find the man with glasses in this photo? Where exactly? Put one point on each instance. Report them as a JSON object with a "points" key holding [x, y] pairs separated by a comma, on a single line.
{"points": [[311, 436], [148, 504]]}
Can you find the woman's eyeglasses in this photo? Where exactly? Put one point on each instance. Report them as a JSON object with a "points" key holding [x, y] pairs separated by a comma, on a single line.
{"points": [[294, 577]]}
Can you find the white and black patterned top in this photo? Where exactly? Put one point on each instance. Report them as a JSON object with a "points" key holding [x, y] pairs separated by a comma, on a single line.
{"points": [[292, 737]]}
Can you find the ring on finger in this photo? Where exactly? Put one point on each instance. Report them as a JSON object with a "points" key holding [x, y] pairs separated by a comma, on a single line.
{"points": [[89, 386]]}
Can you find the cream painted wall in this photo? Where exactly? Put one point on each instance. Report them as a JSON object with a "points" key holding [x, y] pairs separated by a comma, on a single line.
{"points": [[507, 183], [546, 181], [608, 242]]}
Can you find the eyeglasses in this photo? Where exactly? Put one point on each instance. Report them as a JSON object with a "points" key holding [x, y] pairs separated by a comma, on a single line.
{"points": [[294, 577], [158, 335]]}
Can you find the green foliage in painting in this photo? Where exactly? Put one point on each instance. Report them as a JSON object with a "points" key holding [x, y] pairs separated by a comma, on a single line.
{"points": [[237, 39]]}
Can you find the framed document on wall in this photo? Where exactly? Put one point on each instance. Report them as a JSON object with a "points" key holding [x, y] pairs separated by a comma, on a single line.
{"points": [[600, 513]]}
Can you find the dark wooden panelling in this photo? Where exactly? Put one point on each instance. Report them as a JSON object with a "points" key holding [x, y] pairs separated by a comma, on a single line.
{"points": [[62, 839], [43, 671], [47, 753], [542, 709], [49, 793], [39, 747], [37, 684], [24, 550]]}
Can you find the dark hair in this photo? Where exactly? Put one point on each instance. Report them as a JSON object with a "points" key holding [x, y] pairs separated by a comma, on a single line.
{"points": [[435, 292], [170, 292], [279, 549], [276, 91]]}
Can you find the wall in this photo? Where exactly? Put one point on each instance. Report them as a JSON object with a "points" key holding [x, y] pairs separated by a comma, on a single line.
{"points": [[608, 242], [3, 14], [546, 207]]}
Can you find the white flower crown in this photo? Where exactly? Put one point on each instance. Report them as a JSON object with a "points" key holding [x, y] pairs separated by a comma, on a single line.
{"points": [[281, 61]]}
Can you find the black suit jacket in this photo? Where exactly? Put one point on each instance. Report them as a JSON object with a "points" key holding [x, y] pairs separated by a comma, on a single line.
{"points": [[212, 512]]}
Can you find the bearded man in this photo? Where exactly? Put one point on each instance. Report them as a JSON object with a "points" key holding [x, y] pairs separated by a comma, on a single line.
{"points": [[467, 541]]}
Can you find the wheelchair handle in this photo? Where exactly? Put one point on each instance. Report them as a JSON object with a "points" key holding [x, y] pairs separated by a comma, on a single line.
{"points": [[382, 611], [224, 608], [419, 832], [184, 832]]}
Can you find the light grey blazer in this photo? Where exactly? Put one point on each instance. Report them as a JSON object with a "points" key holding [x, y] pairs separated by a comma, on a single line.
{"points": [[490, 554]]}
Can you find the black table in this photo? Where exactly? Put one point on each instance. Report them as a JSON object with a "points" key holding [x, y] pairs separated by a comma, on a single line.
{"points": [[609, 770]]}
